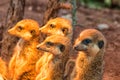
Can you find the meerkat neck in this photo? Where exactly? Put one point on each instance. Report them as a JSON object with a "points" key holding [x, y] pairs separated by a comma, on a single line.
{"points": [[27, 47], [95, 70], [82, 64], [89, 68]]}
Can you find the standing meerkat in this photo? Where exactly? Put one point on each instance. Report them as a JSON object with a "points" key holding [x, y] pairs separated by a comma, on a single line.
{"points": [[89, 64], [51, 65], [59, 26], [3, 70], [22, 64]]}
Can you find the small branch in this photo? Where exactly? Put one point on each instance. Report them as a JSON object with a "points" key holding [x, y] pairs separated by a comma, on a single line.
{"points": [[73, 2]]}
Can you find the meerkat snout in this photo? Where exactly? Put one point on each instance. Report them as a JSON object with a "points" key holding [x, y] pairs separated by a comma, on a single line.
{"points": [[83, 45]]}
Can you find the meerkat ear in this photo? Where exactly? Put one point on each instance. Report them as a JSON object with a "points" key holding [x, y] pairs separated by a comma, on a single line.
{"points": [[100, 44], [65, 31], [61, 47]]}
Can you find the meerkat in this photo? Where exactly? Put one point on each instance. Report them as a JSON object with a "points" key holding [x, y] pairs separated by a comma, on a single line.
{"points": [[89, 63], [22, 63], [3, 70], [55, 26], [51, 65], [59, 26]]}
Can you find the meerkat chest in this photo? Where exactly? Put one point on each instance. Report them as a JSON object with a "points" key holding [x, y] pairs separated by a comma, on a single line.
{"points": [[29, 49], [81, 61], [46, 66]]}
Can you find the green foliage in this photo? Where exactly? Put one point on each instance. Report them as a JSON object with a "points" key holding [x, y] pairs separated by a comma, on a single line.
{"points": [[96, 3], [108, 2]]}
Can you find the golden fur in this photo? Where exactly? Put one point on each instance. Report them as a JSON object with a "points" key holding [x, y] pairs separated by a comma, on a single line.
{"points": [[3, 70], [89, 63], [51, 65], [22, 63], [59, 26]]}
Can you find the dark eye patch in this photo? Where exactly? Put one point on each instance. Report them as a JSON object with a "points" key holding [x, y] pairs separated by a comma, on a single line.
{"points": [[52, 25], [86, 41], [32, 32], [100, 44], [48, 44], [19, 28], [62, 47], [65, 31]]}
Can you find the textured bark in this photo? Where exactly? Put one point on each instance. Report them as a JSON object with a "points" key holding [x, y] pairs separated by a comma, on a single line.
{"points": [[14, 14], [52, 10]]}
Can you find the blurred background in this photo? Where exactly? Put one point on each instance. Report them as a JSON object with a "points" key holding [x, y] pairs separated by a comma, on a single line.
{"points": [[103, 15]]}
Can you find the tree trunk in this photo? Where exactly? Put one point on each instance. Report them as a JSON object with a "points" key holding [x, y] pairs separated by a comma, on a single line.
{"points": [[15, 13], [52, 10]]}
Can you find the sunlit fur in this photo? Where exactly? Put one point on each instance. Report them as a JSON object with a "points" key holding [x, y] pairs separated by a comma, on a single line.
{"points": [[51, 65], [59, 26], [89, 62], [22, 63], [3, 70]]}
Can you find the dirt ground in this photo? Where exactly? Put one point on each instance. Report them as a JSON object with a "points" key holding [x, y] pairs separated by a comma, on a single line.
{"points": [[86, 18]]}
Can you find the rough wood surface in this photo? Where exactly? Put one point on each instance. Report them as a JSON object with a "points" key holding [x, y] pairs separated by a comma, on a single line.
{"points": [[52, 10], [53, 7]]}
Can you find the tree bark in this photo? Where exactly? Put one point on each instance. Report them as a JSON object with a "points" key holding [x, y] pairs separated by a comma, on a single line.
{"points": [[15, 13], [52, 10]]}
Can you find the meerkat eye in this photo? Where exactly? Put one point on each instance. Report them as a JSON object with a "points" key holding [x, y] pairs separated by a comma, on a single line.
{"points": [[19, 28], [32, 32], [48, 44], [65, 31], [62, 47], [86, 41], [100, 44], [52, 25]]}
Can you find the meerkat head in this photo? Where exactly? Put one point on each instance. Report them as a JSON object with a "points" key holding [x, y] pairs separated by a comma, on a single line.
{"points": [[25, 29], [55, 44], [59, 26], [90, 41]]}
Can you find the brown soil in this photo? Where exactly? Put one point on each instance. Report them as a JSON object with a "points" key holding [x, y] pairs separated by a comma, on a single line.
{"points": [[86, 18]]}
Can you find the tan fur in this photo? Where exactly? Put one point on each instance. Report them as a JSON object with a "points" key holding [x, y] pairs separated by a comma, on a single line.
{"points": [[89, 63], [22, 64], [3, 70], [59, 26], [51, 65]]}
